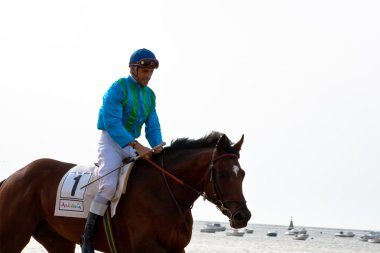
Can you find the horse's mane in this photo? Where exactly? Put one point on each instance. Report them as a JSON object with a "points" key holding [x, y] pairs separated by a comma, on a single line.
{"points": [[207, 141]]}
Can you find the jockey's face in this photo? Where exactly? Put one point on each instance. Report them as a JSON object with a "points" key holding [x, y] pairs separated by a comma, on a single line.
{"points": [[141, 75]]}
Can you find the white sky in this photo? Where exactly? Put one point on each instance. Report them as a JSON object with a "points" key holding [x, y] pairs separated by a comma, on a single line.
{"points": [[299, 78]]}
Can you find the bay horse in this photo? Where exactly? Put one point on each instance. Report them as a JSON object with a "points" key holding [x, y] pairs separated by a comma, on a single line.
{"points": [[153, 216]]}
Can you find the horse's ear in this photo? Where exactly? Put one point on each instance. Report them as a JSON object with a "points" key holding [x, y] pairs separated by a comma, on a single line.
{"points": [[238, 145], [223, 142]]}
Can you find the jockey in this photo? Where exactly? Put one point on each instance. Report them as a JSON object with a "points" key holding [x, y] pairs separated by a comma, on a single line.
{"points": [[127, 105]]}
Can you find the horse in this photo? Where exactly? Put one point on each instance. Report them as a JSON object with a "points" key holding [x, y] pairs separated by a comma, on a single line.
{"points": [[154, 215]]}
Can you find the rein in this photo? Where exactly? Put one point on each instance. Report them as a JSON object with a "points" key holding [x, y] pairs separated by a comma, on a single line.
{"points": [[176, 179]]}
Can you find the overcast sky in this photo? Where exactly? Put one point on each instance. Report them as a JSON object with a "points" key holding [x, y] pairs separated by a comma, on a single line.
{"points": [[300, 79]]}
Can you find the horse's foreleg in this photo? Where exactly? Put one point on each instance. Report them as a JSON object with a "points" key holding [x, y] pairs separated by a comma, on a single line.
{"points": [[7, 246], [14, 236], [159, 249]]}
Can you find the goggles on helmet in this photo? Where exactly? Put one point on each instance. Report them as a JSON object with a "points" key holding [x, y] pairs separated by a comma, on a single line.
{"points": [[149, 63]]}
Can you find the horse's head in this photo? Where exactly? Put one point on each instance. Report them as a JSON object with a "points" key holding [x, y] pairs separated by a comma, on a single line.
{"points": [[224, 188]]}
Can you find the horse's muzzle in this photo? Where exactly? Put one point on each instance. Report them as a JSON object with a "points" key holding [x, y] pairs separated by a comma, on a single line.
{"points": [[240, 217]]}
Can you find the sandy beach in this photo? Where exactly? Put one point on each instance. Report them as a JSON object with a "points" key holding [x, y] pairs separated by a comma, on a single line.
{"points": [[321, 240]]}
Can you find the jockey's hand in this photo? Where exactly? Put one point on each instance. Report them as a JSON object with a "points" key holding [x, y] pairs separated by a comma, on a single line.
{"points": [[145, 152], [157, 150], [142, 151]]}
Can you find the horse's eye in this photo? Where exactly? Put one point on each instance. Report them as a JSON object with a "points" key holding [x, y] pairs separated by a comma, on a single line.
{"points": [[223, 175]]}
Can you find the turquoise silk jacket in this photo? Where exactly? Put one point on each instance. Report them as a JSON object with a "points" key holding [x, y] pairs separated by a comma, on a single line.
{"points": [[126, 107]]}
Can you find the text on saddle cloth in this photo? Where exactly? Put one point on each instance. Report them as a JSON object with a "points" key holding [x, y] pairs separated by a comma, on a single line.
{"points": [[72, 201]]}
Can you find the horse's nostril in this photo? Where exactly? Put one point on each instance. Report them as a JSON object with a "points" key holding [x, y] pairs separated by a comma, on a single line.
{"points": [[239, 216], [242, 216]]}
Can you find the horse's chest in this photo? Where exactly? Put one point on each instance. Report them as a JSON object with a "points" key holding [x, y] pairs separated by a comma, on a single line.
{"points": [[177, 238]]}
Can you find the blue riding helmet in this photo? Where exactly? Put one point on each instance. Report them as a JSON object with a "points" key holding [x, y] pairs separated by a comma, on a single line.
{"points": [[144, 58]]}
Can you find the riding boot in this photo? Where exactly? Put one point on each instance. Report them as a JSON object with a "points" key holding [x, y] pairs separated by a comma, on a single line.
{"points": [[89, 230]]}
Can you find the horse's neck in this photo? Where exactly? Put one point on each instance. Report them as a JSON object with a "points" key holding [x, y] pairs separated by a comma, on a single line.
{"points": [[194, 170]]}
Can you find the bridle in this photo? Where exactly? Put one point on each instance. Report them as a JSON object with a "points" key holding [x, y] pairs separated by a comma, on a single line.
{"points": [[216, 196]]}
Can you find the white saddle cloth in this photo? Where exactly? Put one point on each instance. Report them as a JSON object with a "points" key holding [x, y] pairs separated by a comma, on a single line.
{"points": [[72, 201]]}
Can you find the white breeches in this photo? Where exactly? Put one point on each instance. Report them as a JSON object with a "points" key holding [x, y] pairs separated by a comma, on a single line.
{"points": [[111, 156]]}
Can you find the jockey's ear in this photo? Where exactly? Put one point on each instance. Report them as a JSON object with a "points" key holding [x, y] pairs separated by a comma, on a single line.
{"points": [[238, 145], [132, 70]]}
